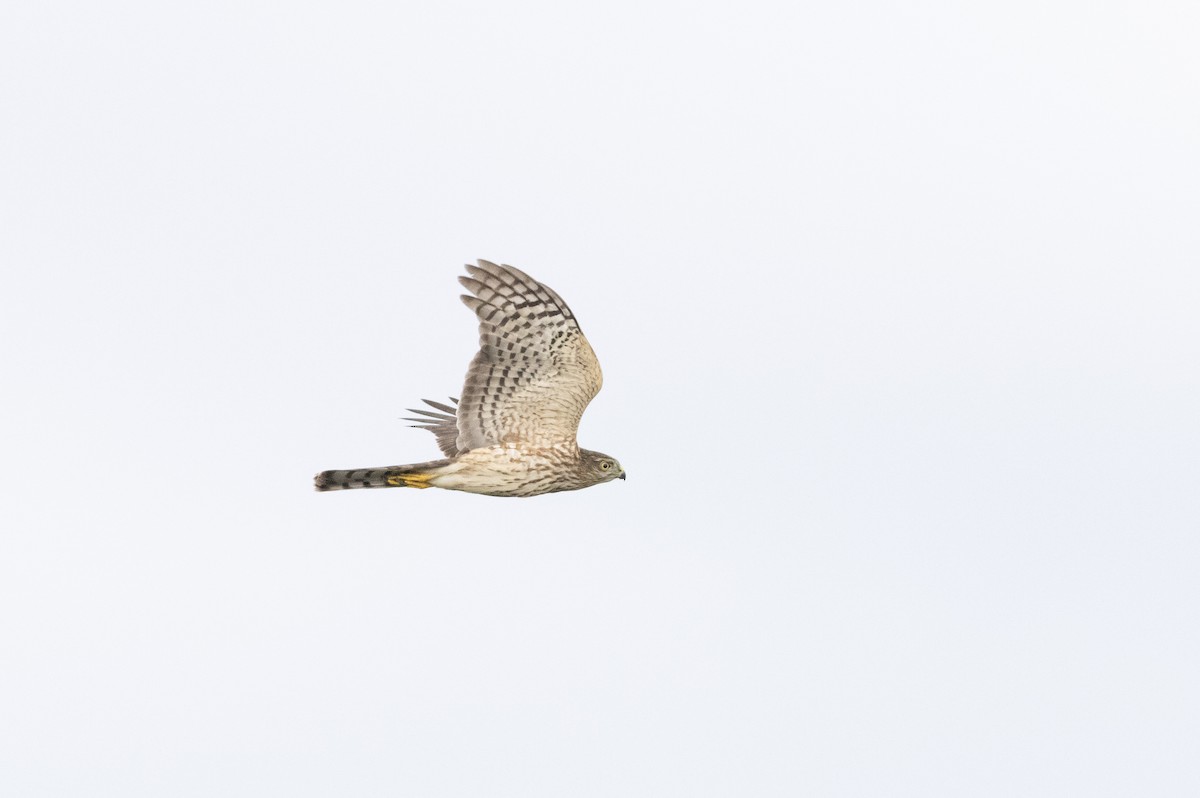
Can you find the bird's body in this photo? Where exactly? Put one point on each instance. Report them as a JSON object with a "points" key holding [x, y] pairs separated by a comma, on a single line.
{"points": [[513, 432]]}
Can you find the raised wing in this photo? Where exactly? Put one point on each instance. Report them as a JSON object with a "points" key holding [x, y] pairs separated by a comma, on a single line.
{"points": [[534, 373]]}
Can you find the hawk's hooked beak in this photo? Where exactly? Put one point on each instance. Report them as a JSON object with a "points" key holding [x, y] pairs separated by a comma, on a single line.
{"points": [[621, 475]]}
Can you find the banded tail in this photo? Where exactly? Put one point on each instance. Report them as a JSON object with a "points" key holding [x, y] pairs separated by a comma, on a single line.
{"points": [[404, 476]]}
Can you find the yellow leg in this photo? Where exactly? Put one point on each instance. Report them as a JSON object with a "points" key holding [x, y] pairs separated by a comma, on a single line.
{"points": [[410, 481]]}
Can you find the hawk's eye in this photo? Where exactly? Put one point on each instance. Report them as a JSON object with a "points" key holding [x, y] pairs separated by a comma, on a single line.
{"points": [[606, 465]]}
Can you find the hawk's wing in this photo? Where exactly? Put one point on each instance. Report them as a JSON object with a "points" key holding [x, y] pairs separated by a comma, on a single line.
{"points": [[534, 373], [444, 424]]}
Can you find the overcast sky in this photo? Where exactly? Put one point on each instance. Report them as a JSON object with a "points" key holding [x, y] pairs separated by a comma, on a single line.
{"points": [[898, 314]]}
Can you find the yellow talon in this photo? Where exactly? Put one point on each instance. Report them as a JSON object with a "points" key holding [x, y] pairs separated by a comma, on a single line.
{"points": [[410, 481]]}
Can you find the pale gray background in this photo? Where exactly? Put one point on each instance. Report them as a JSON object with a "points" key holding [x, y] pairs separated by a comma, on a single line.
{"points": [[898, 315]]}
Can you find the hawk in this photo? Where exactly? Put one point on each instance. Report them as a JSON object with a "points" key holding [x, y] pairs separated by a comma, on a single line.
{"points": [[513, 432]]}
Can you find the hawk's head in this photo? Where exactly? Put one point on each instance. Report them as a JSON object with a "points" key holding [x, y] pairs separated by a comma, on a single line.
{"points": [[601, 467]]}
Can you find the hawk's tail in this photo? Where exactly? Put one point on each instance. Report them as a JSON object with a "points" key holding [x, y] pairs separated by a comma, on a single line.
{"points": [[404, 476]]}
